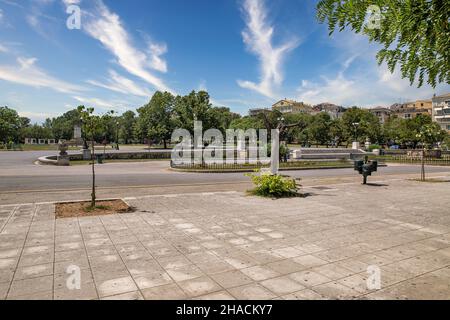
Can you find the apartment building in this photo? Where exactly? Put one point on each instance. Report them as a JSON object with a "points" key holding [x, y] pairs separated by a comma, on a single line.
{"points": [[382, 113], [291, 106], [410, 110], [441, 111], [333, 110]]}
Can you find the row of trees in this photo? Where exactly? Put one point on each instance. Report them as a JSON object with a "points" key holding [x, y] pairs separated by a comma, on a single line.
{"points": [[355, 125], [155, 122], [164, 113]]}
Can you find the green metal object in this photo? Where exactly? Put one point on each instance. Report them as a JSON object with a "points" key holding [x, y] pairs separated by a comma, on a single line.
{"points": [[366, 167], [99, 158]]}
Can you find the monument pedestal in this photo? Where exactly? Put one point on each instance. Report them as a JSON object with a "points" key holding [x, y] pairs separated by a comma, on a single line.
{"points": [[356, 145], [63, 160], [86, 154]]}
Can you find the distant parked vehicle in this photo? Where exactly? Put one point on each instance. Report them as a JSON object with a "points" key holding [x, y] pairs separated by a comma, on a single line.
{"points": [[394, 147]]}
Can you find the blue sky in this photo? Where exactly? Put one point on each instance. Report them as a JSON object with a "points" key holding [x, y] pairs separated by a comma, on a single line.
{"points": [[246, 53]]}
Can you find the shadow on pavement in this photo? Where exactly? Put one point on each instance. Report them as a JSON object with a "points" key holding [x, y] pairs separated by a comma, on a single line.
{"points": [[377, 185]]}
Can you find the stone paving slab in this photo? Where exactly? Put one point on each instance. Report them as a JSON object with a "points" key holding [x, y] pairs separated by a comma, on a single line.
{"points": [[227, 245]]}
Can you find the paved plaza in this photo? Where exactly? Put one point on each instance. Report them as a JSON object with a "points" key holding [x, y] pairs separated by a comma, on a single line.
{"points": [[228, 245]]}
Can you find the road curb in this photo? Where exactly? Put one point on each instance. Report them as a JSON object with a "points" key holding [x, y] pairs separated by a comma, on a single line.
{"points": [[252, 170]]}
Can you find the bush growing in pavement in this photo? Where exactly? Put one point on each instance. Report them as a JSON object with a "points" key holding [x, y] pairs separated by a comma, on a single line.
{"points": [[268, 185]]}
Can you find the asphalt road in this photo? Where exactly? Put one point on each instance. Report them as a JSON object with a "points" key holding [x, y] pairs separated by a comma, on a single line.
{"points": [[18, 173]]}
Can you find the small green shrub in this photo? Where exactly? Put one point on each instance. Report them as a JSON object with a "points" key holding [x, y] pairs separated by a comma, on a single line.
{"points": [[373, 147], [268, 185]]}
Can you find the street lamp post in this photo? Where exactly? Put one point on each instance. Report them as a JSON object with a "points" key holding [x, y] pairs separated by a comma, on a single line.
{"points": [[355, 144], [355, 126], [117, 135]]}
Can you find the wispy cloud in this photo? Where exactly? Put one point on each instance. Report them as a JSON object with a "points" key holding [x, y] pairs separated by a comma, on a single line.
{"points": [[37, 116], [258, 38], [3, 48], [359, 80], [373, 87], [70, 2], [121, 84], [107, 27], [27, 73], [101, 104], [12, 3], [156, 60], [46, 25]]}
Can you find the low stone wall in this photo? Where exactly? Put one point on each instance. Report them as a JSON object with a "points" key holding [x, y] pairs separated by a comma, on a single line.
{"points": [[163, 155], [48, 160]]}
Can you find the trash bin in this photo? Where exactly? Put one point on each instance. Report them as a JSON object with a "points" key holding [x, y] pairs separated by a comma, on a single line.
{"points": [[99, 158]]}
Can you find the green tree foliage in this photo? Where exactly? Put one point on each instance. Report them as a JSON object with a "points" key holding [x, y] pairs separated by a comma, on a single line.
{"points": [[127, 123], [222, 117], [302, 120], [93, 126], [62, 126], [338, 133], [405, 131], [10, 124], [36, 131], [195, 106], [361, 124], [319, 129], [110, 128], [415, 34], [246, 123], [446, 142], [25, 122], [431, 134], [155, 120]]}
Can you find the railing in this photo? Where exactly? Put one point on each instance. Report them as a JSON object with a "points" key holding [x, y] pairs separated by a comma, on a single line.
{"points": [[243, 166], [443, 161], [398, 152]]}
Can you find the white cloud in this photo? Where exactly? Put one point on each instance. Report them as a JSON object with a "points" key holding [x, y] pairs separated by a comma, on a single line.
{"points": [[101, 104], [71, 2], [121, 84], [258, 38], [339, 90], [42, 23], [377, 86], [11, 3], [156, 62], [33, 21], [37, 116], [27, 73], [106, 27], [3, 49], [360, 80]]}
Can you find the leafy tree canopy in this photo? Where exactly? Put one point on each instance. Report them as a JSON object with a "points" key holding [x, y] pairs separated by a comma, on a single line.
{"points": [[10, 124], [415, 34]]}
